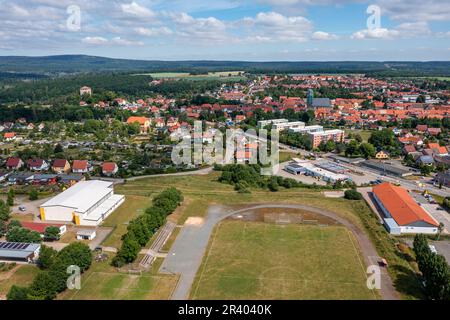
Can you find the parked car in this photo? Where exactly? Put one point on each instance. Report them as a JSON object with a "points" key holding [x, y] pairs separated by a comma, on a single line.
{"points": [[22, 208]]}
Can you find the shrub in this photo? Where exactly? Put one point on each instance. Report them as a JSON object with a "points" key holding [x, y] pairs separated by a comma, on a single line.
{"points": [[352, 195]]}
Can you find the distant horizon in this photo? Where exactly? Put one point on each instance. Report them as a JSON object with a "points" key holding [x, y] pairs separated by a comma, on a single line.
{"points": [[206, 60], [229, 30]]}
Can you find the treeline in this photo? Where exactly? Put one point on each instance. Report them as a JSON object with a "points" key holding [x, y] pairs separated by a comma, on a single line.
{"points": [[244, 177], [434, 268], [104, 85], [58, 112], [185, 89], [141, 229], [52, 279]]}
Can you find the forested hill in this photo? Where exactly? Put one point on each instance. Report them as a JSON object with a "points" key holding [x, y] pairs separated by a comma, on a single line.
{"points": [[82, 63]]}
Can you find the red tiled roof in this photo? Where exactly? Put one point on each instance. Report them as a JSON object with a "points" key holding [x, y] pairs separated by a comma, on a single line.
{"points": [[35, 163], [140, 120], [80, 164], [403, 208], [109, 166], [59, 163], [9, 135], [12, 162]]}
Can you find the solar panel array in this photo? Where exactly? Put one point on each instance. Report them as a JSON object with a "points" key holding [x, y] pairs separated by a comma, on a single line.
{"points": [[13, 245]]}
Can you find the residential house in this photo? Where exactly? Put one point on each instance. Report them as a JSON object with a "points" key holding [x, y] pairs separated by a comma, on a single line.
{"points": [[14, 163], [382, 155], [80, 166], [85, 91], [9, 136], [143, 122], [37, 165], [61, 166], [109, 168]]}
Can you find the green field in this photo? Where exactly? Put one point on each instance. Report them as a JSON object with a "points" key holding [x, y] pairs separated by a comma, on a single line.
{"points": [[365, 134], [22, 276], [222, 75], [253, 260], [201, 191], [103, 282]]}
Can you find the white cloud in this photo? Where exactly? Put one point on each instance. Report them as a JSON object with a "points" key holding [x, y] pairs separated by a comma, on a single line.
{"points": [[95, 40], [321, 35], [126, 43], [101, 41], [153, 32], [200, 29], [137, 10], [403, 30], [416, 10], [277, 27]]}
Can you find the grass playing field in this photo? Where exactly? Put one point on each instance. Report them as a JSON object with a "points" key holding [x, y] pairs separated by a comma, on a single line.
{"points": [[103, 282], [204, 190], [253, 260]]}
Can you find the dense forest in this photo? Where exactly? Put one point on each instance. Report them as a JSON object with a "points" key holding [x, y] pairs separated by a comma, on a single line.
{"points": [[83, 64], [105, 84]]}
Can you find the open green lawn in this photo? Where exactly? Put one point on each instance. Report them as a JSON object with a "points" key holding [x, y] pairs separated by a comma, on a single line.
{"points": [[22, 276], [253, 260], [365, 134], [103, 282], [131, 208]]}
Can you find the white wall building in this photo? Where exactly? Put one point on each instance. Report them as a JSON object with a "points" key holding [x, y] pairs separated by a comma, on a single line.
{"points": [[263, 123], [86, 203]]}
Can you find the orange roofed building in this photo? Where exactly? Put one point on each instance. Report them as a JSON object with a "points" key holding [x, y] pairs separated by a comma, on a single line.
{"points": [[401, 212], [144, 123]]}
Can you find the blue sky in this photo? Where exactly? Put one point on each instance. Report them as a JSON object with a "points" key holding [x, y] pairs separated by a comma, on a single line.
{"points": [[257, 30]]}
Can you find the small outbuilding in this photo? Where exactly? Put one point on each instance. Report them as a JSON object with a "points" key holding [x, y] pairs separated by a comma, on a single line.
{"points": [[87, 234]]}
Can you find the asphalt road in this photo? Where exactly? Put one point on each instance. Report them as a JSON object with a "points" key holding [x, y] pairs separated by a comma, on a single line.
{"points": [[186, 254]]}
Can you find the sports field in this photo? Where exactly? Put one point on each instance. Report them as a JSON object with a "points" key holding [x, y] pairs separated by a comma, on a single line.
{"points": [[103, 282], [254, 260]]}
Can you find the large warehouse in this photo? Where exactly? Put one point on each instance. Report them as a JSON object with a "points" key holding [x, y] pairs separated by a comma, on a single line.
{"points": [[86, 203], [402, 213]]}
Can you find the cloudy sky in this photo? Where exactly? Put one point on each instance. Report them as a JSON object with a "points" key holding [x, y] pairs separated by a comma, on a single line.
{"points": [[257, 30]]}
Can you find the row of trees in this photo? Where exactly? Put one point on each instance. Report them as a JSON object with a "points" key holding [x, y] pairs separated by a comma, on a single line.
{"points": [[52, 279], [141, 229], [244, 177], [434, 268], [4, 217]]}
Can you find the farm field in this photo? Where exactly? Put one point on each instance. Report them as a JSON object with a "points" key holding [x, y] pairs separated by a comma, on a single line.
{"points": [[222, 75], [254, 260]]}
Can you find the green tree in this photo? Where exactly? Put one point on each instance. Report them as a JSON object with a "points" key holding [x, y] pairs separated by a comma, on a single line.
{"points": [[367, 150], [10, 200], [17, 293], [47, 256], [52, 233], [352, 194], [34, 195]]}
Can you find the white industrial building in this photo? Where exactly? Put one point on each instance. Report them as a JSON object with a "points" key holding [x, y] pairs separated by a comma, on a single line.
{"points": [[307, 129], [86, 203], [288, 125], [264, 123]]}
